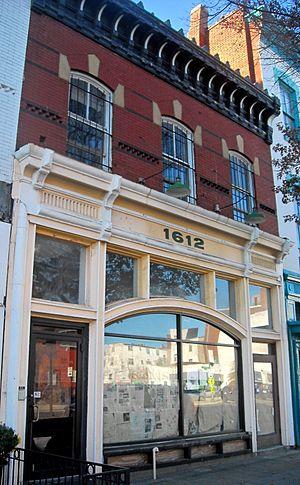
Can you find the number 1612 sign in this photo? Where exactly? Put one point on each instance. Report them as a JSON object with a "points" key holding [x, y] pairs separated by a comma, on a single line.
{"points": [[181, 238]]}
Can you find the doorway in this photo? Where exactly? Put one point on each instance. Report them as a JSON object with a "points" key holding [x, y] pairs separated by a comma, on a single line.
{"points": [[57, 387], [266, 399]]}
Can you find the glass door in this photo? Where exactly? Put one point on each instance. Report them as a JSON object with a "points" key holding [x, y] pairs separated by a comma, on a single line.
{"points": [[56, 400], [266, 400]]}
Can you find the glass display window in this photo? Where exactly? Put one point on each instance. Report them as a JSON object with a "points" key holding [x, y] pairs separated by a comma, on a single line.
{"points": [[121, 272], [168, 375], [59, 270], [175, 282], [225, 298], [260, 307]]}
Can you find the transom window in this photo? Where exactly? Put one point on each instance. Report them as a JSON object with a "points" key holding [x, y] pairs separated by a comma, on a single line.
{"points": [[120, 277], [175, 282], [59, 270], [225, 297], [260, 306], [242, 186], [179, 378], [89, 122], [178, 156]]}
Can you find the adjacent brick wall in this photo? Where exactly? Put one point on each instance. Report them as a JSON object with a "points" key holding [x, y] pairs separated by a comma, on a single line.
{"points": [[237, 43], [45, 103]]}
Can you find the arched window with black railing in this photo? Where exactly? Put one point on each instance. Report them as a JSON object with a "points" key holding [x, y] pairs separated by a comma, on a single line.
{"points": [[89, 122], [178, 156], [242, 186]]}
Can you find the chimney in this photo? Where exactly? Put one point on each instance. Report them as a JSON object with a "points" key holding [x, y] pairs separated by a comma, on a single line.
{"points": [[199, 26]]}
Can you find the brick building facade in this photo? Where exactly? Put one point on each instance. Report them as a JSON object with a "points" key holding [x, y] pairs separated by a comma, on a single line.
{"points": [[163, 306]]}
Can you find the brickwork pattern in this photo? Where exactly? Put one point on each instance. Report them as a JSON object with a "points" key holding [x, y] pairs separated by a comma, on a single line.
{"points": [[228, 39]]}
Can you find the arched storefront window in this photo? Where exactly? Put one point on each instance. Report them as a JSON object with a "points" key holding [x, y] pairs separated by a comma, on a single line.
{"points": [[168, 375]]}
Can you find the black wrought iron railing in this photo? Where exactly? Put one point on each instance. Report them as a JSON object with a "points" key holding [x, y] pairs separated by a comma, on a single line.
{"points": [[28, 467]]}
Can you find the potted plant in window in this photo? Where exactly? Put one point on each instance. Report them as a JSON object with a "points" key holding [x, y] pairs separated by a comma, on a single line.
{"points": [[9, 440]]}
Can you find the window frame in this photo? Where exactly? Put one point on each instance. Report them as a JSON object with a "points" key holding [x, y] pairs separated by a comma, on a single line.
{"points": [[269, 308], [179, 342], [231, 296], [83, 283], [105, 129], [135, 276], [288, 105], [175, 162], [242, 194]]}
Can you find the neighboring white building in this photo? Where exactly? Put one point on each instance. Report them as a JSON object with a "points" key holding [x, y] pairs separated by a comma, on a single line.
{"points": [[12, 57], [283, 81]]}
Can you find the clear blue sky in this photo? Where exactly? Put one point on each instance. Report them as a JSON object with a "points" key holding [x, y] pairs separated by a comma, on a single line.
{"points": [[177, 11]]}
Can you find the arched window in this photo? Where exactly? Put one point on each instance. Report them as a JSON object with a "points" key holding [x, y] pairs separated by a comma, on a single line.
{"points": [[178, 156], [89, 122], [242, 186], [168, 375]]}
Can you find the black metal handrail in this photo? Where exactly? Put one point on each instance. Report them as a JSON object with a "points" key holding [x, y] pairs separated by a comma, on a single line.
{"points": [[37, 468]]}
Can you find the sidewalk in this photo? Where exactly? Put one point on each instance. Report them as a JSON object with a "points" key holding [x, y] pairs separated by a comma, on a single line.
{"points": [[272, 467]]}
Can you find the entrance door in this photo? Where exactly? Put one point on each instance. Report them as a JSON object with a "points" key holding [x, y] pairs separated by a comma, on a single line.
{"points": [[266, 399], [295, 374], [57, 389]]}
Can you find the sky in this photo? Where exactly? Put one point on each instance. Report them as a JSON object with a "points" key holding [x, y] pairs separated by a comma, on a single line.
{"points": [[177, 11]]}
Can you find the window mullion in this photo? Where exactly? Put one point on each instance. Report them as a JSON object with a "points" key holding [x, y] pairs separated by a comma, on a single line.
{"points": [[180, 376]]}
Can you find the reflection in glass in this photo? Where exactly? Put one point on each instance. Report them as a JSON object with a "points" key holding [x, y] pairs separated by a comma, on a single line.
{"points": [[120, 277], [141, 388], [58, 272], [168, 281], [225, 297], [210, 389], [141, 392], [55, 378], [161, 325], [260, 306], [263, 381], [198, 331]]}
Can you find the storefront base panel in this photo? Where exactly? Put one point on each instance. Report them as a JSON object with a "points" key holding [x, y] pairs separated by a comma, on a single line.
{"points": [[179, 451]]}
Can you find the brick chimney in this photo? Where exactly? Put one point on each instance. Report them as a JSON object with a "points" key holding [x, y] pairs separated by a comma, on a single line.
{"points": [[199, 26]]}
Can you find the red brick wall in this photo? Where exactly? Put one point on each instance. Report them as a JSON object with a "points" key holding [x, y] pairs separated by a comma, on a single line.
{"points": [[228, 38], [134, 123]]}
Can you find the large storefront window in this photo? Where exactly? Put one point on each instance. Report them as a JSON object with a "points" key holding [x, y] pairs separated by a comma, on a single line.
{"points": [[180, 283], [168, 375], [58, 272]]}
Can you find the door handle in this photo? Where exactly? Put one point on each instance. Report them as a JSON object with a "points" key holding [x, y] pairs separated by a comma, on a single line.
{"points": [[36, 413]]}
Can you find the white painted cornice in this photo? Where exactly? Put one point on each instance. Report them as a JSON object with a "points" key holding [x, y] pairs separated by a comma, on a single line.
{"points": [[45, 162]]}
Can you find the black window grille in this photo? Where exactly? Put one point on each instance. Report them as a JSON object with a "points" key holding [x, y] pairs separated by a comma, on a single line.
{"points": [[89, 123], [242, 187], [178, 157]]}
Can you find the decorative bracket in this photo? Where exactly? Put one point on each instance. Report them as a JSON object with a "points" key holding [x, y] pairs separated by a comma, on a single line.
{"points": [[286, 247], [247, 251], [40, 175], [108, 201]]}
